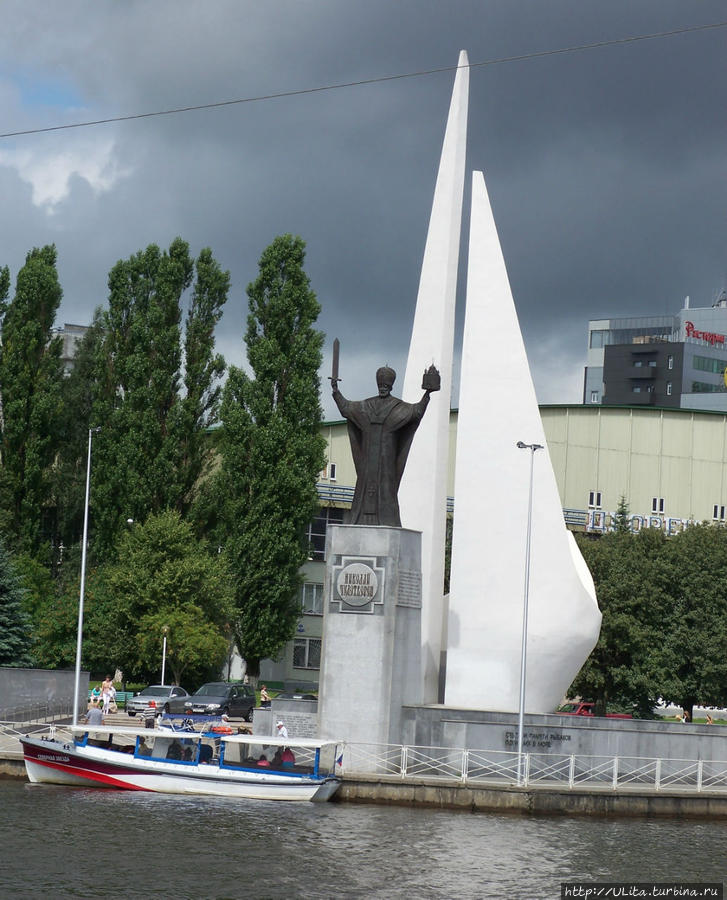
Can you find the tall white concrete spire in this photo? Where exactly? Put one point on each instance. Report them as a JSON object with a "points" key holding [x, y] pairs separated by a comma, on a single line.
{"points": [[498, 408], [423, 491]]}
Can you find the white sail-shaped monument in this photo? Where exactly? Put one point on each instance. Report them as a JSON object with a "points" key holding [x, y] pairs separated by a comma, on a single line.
{"points": [[497, 409], [423, 491]]}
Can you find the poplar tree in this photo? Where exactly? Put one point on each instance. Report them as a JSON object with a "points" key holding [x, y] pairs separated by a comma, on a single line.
{"points": [[272, 451], [30, 379], [156, 390]]}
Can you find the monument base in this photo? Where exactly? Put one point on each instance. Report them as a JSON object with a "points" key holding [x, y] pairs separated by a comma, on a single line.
{"points": [[371, 664]]}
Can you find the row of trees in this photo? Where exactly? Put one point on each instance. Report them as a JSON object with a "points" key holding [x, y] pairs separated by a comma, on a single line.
{"points": [[198, 530], [664, 629]]}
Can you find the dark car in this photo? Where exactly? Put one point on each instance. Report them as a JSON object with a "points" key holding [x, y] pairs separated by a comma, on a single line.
{"points": [[157, 696], [217, 698]]}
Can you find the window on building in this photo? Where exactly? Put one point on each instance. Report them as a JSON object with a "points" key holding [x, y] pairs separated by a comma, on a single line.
{"points": [[311, 598], [328, 515], [332, 471], [636, 389], [594, 499], [670, 362], [594, 396], [599, 339], [657, 505], [703, 387], [668, 388], [708, 364], [718, 515], [307, 653]]}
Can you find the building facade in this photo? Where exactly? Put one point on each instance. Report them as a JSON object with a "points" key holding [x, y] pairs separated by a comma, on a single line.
{"points": [[667, 361]]}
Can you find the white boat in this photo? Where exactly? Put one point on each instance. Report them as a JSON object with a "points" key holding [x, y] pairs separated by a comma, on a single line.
{"points": [[214, 763]]}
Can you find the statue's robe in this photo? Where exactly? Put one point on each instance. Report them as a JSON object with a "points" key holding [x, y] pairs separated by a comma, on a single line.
{"points": [[381, 430]]}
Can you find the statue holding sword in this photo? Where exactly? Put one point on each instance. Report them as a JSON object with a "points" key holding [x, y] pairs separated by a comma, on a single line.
{"points": [[381, 430]]}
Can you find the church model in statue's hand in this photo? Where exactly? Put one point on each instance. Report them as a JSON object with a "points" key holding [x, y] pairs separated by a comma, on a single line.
{"points": [[381, 430]]}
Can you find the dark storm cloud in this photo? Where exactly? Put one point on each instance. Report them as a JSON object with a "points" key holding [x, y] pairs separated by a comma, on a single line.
{"points": [[605, 167]]}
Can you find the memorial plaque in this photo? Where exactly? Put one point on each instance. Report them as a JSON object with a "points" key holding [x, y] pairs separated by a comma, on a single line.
{"points": [[410, 590]]}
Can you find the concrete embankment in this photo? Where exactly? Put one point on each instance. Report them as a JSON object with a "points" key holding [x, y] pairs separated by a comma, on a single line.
{"points": [[535, 800]]}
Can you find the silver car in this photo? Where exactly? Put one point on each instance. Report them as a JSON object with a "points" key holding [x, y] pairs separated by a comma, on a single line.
{"points": [[155, 696]]}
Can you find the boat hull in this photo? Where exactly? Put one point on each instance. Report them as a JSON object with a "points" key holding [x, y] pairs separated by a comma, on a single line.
{"points": [[54, 762]]}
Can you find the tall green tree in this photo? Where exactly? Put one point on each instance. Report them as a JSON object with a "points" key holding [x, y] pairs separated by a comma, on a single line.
{"points": [[78, 389], [157, 389], [14, 622], [272, 450], [30, 391]]}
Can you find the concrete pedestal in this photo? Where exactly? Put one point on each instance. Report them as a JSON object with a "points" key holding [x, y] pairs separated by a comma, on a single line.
{"points": [[371, 663]]}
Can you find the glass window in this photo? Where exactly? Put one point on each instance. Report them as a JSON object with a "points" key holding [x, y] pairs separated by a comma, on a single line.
{"points": [[594, 499], [670, 362], [332, 471], [327, 515], [307, 653], [594, 396], [311, 598], [599, 339], [703, 387], [657, 505], [709, 364], [668, 388]]}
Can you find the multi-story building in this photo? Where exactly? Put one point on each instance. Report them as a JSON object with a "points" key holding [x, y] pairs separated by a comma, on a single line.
{"points": [[71, 335], [669, 361]]}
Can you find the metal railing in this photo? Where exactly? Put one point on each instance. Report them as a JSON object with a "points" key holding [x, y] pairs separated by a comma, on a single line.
{"points": [[37, 711], [500, 767]]}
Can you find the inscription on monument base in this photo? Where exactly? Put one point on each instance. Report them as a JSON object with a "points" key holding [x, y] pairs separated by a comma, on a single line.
{"points": [[410, 590], [537, 740], [357, 585]]}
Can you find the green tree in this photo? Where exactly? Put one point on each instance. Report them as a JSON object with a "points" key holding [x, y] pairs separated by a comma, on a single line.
{"points": [[272, 451], [14, 622], [194, 645], [164, 573], [633, 580], [30, 385], [692, 649], [153, 410], [69, 471], [622, 518]]}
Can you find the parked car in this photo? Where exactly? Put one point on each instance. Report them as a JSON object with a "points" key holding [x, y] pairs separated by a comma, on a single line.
{"points": [[580, 708], [217, 698], [157, 696]]}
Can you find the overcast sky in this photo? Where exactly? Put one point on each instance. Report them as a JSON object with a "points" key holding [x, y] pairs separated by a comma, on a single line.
{"points": [[606, 167]]}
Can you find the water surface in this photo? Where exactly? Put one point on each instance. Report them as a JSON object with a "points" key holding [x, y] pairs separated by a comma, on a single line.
{"points": [[71, 842]]}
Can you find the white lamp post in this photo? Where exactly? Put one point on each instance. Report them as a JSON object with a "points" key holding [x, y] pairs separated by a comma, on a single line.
{"points": [[79, 636], [524, 647], [165, 632]]}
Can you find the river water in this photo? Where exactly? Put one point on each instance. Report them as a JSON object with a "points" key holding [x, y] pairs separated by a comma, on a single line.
{"points": [[71, 842]]}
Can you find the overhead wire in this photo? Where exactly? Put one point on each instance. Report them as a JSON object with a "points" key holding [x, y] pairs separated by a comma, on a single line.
{"points": [[366, 81]]}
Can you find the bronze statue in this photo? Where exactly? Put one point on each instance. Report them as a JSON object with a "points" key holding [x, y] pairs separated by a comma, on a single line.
{"points": [[381, 430]]}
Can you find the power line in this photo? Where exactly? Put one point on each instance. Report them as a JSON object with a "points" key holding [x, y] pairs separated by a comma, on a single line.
{"points": [[349, 84]]}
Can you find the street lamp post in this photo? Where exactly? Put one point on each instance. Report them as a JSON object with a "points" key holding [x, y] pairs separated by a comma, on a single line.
{"points": [[521, 445], [79, 636], [165, 632]]}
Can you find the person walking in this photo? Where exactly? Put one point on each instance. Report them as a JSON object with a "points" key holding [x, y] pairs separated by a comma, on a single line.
{"points": [[106, 692]]}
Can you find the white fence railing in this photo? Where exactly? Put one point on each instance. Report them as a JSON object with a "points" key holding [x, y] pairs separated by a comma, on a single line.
{"points": [[557, 770]]}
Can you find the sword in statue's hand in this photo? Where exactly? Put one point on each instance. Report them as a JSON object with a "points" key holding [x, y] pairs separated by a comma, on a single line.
{"points": [[334, 379]]}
